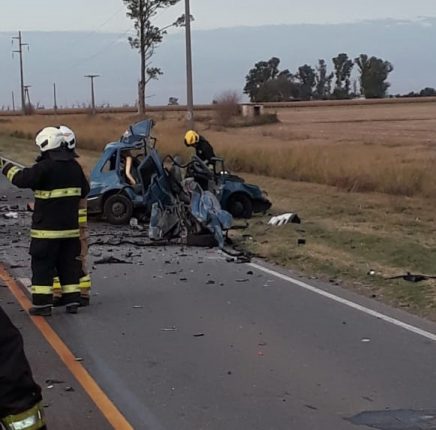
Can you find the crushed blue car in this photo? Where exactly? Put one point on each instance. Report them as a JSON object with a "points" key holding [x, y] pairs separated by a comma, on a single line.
{"points": [[114, 198]]}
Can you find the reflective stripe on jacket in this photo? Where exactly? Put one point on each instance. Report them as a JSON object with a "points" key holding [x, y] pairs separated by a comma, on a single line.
{"points": [[59, 184]]}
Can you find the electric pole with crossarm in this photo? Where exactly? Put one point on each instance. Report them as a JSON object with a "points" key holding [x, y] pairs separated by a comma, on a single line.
{"points": [[92, 77], [20, 52]]}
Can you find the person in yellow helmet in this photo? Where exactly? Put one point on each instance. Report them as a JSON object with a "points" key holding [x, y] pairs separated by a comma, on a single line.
{"points": [[203, 148]]}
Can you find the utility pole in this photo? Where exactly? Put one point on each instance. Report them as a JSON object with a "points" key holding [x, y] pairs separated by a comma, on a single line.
{"points": [[190, 96], [20, 52], [13, 101], [55, 105], [92, 77], [27, 96]]}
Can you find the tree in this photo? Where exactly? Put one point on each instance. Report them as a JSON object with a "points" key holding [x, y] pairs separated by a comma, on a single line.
{"points": [[343, 68], [280, 89], [373, 75], [148, 36], [428, 92], [261, 74], [307, 81], [323, 81]]}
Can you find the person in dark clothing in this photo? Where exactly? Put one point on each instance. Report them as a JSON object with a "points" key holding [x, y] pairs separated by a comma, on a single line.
{"points": [[20, 396], [203, 148], [59, 184], [85, 277]]}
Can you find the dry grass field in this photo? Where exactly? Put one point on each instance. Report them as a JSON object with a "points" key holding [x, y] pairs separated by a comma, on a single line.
{"points": [[384, 148], [361, 178]]}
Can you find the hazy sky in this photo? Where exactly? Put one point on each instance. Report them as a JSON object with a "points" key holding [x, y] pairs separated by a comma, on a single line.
{"points": [[109, 15]]}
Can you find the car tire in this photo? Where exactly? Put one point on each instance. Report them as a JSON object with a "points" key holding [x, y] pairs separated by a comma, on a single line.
{"points": [[118, 209], [240, 206]]}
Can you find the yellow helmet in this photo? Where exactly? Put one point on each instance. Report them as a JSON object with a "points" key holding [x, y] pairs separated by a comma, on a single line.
{"points": [[191, 138]]}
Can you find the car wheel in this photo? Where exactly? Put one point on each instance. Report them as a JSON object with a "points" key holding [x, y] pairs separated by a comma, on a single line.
{"points": [[240, 206], [118, 209]]}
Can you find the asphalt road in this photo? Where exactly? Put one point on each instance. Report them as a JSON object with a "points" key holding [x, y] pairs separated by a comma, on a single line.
{"points": [[181, 340]]}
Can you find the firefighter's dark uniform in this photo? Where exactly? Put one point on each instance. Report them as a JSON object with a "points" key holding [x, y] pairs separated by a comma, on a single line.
{"points": [[20, 396], [58, 183], [204, 150], [85, 277]]}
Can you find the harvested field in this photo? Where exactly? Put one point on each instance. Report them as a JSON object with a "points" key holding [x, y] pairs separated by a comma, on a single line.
{"points": [[384, 148]]}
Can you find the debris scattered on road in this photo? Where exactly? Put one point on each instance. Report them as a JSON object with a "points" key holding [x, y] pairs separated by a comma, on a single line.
{"points": [[371, 272], [311, 407], [11, 215], [54, 381], [242, 280], [134, 224], [250, 272], [169, 329], [3, 198], [288, 218], [68, 388], [366, 340], [78, 358], [112, 260], [240, 259], [198, 335], [138, 307], [301, 242]]}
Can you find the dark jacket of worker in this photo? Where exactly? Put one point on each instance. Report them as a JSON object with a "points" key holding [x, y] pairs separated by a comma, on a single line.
{"points": [[58, 183], [20, 396], [204, 150]]}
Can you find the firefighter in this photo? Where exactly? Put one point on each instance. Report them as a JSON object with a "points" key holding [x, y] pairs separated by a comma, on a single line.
{"points": [[20, 396], [203, 148], [85, 278], [59, 184]]}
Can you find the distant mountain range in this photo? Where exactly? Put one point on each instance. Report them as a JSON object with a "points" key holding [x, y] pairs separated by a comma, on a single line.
{"points": [[222, 58]]}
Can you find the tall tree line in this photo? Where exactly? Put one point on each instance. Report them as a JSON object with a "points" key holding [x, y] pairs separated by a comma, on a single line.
{"points": [[265, 82]]}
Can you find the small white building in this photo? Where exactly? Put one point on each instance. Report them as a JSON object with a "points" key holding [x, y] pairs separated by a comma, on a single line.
{"points": [[252, 109]]}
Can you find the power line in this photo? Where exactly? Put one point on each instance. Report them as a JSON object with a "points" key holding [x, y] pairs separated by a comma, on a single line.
{"points": [[88, 33], [100, 51]]}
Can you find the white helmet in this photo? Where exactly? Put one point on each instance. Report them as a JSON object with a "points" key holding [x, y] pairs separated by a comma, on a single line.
{"points": [[49, 138], [69, 136]]}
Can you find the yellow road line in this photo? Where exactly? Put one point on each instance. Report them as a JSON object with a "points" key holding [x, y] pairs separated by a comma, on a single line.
{"points": [[97, 395]]}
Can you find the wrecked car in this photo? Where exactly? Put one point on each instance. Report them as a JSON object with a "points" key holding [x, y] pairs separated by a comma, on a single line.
{"points": [[117, 193]]}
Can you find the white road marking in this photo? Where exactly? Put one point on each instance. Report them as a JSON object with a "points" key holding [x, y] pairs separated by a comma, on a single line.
{"points": [[346, 302]]}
